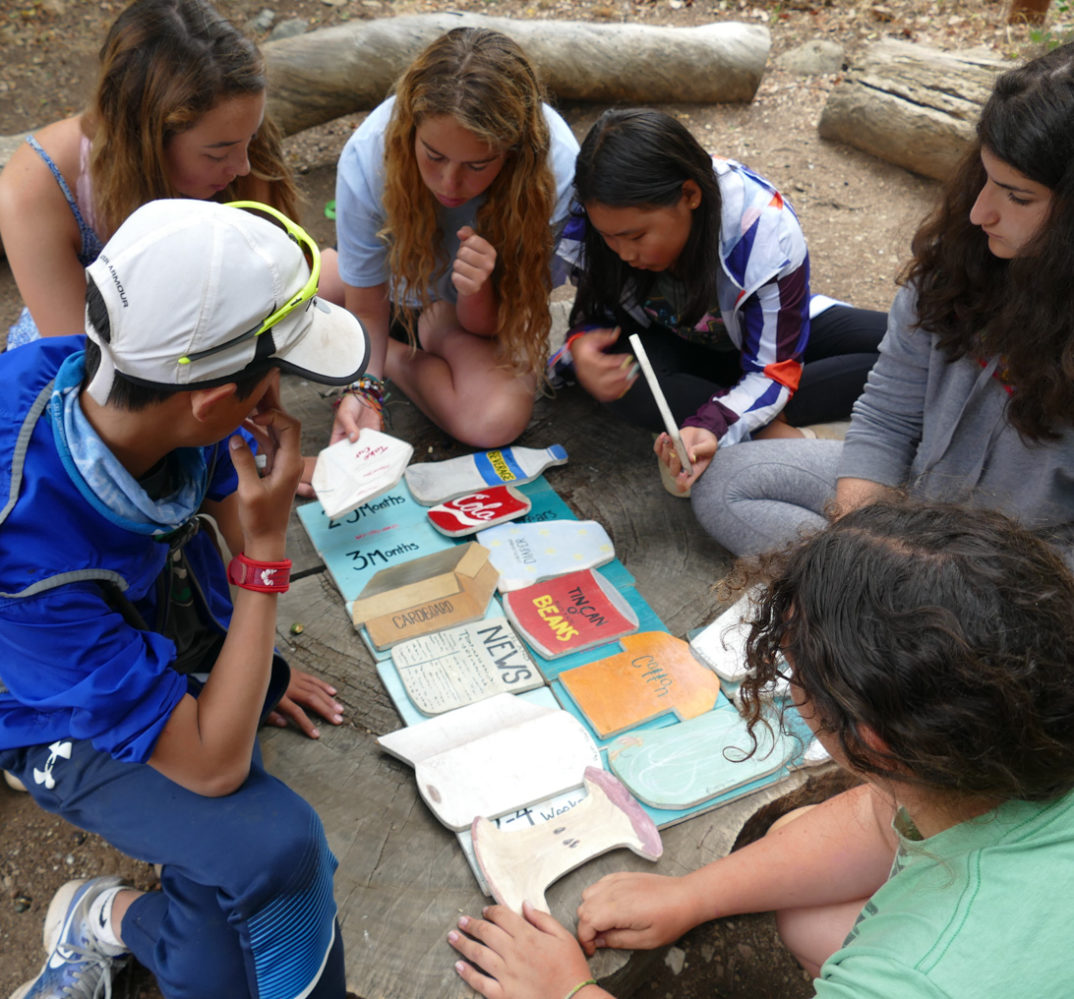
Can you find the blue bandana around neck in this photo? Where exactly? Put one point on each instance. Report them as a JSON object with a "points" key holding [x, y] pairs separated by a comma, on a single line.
{"points": [[104, 483]]}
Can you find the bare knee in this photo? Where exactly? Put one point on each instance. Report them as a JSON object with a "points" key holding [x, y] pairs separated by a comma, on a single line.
{"points": [[812, 934], [495, 423]]}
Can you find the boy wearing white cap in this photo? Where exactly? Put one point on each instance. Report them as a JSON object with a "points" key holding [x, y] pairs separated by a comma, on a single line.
{"points": [[114, 606]]}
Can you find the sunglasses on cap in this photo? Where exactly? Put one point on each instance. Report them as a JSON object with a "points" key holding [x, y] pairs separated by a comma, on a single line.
{"points": [[305, 294]]}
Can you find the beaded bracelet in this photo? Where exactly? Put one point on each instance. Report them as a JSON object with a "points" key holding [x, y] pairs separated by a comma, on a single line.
{"points": [[369, 391]]}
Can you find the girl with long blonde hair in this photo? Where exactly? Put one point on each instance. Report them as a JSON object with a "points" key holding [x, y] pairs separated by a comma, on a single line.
{"points": [[179, 111], [447, 200]]}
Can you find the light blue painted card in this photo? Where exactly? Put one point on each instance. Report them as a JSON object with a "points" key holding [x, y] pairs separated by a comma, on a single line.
{"points": [[388, 531]]}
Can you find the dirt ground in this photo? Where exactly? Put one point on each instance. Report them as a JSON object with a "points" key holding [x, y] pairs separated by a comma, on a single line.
{"points": [[858, 214]]}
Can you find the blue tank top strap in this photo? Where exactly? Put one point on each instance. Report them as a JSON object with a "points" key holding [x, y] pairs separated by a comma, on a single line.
{"points": [[91, 242]]}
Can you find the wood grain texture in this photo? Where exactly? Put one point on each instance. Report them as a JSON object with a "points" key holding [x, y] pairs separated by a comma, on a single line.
{"points": [[519, 865]]}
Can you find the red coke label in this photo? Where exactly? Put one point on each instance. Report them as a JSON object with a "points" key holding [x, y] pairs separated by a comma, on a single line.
{"points": [[475, 512]]}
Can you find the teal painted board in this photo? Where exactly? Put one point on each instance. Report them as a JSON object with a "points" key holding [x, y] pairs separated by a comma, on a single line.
{"points": [[394, 508], [380, 655], [617, 574], [388, 531], [394, 528], [688, 763], [664, 817], [547, 503]]}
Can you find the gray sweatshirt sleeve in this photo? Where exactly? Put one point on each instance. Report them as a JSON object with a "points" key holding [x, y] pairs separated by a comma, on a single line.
{"points": [[885, 428]]}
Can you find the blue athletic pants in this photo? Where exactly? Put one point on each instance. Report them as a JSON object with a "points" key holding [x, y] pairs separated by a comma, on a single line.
{"points": [[246, 907]]}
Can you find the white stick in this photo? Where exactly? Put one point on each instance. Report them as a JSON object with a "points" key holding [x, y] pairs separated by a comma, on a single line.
{"points": [[661, 403]]}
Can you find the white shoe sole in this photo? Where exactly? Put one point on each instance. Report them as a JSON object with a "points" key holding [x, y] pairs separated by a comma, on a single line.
{"points": [[54, 920]]}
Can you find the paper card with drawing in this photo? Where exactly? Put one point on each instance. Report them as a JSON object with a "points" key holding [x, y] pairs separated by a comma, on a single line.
{"points": [[452, 668]]}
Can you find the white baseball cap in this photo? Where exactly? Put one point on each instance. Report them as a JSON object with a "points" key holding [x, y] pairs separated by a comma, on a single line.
{"points": [[195, 291]]}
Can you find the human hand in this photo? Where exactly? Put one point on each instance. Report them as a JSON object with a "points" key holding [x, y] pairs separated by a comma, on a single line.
{"points": [[519, 958], [700, 447], [473, 264], [306, 691], [264, 497], [352, 416], [636, 912], [604, 376]]}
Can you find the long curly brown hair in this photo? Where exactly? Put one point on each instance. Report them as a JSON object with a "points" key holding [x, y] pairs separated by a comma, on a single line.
{"points": [[483, 80], [164, 64], [980, 306]]}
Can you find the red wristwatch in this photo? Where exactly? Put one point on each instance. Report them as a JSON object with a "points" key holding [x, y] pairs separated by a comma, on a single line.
{"points": [[264, 577]]}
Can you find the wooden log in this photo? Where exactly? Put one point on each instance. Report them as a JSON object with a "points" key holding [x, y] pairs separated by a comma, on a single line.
{"points": [[330, 72], [911, 105], [319, 76]]}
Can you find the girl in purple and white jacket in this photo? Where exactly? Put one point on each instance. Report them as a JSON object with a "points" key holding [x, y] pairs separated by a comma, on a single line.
{"points": [[706, 261]]}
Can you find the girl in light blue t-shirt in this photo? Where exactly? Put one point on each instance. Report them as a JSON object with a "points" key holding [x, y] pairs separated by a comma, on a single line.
{"points": [[448, 197]]}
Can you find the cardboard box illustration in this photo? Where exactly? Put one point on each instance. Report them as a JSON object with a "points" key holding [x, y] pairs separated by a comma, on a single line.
{"points": [[427, 594]]}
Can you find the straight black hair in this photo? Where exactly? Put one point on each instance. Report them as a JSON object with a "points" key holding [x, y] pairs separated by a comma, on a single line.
{"points": [[640, 158]]}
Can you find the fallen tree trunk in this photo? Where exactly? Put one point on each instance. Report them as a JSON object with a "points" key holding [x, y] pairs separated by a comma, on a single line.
{"points": [[330, 72], [324, 74], [911, 105]]}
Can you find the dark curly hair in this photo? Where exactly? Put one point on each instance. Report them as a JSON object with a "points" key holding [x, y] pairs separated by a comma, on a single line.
{"points": [[640, 158], [948, 633], [978, 305]]}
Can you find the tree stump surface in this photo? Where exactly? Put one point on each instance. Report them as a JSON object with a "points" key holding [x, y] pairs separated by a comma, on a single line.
{"points": [[403, 881]]}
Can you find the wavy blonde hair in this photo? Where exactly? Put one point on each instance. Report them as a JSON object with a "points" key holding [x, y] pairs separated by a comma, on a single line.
{"points": [[483, 80], [164, 64]]}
